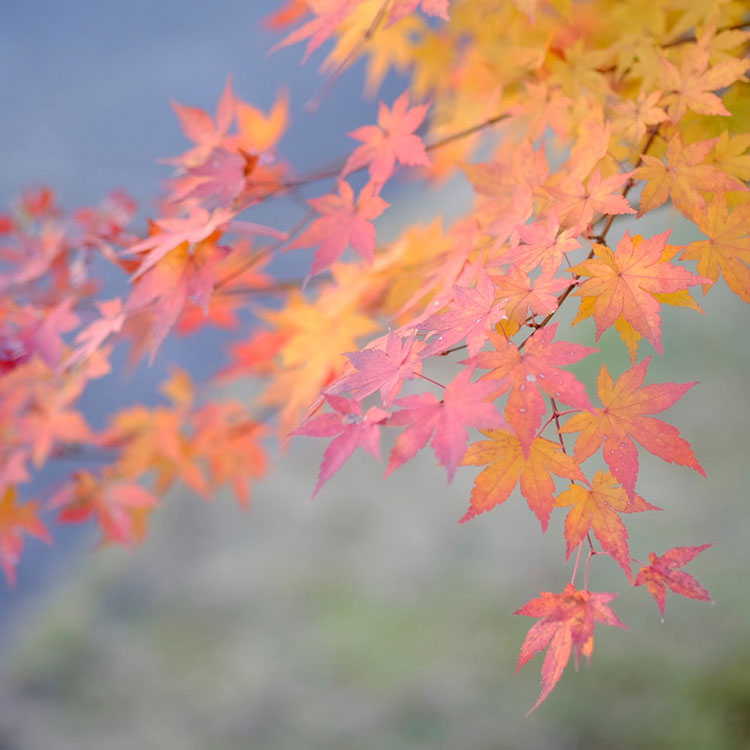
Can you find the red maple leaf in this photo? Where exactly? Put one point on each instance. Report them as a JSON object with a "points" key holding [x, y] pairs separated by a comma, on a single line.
{"points": [[342, 224], [391, 140], [567, 625], [622, 420], [534, 369], [463, 405], [662, 571], [352, 427]]}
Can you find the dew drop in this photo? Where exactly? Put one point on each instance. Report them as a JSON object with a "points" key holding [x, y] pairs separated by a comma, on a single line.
{"points": [[557, 393], [352, 419], [531, 378], [522, 387], [623, 445], [478, 320], [522, 410], [542, 375]]}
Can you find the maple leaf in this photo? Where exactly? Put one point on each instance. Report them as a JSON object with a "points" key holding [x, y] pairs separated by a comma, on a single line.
{"points": [[542, 244], [259, 132], [727, 249], [630, 336], [352, 428], [183, 274], [170, 233], [625, 282], [575, 204], [15, 521], [622, 420], [200, 129], [119, 507], [662, 572], [50, 421], [391, 140], [254, 356], [567, 625], [509, 463], [469, 315], [310, 357], [329, 14], [445, 420], [518, 293], [531, 370], [383, 369], [635, 117], [342, 224], [229, 443], [684, 177], [218, 180], [596, 509], [153, 440], [691, 84]]}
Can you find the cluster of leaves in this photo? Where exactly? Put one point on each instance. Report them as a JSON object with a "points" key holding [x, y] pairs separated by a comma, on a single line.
{"points": [[576, 104]]}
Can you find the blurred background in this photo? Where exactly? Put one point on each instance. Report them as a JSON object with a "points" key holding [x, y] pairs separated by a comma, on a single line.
{"points": [[367, 619]]}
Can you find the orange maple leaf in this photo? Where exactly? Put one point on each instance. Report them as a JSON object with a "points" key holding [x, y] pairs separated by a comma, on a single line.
{"points": [[727, 249], [691, 85], [508, 463], [596, 509], [120, 507], [622, 420], [684, 177], [15, 521], [625, 283], [567, 625]]}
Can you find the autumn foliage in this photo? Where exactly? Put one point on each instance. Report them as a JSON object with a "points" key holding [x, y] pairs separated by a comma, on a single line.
{"points": [[569, 120]]}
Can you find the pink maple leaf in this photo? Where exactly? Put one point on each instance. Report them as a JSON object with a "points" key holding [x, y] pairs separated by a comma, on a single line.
{"points": [[531, 371], [95, 334], [519, 293], [391, 140], [470, 315], [201, 130], [463, 405], [575, 204], [328, 16], [352, 427], [341, 224], [383, 369]]}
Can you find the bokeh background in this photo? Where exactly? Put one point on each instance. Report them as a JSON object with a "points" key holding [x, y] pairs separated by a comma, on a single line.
{"points": [[367, 619]]}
